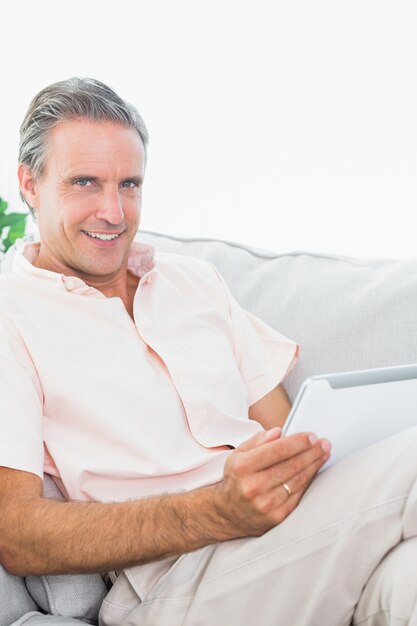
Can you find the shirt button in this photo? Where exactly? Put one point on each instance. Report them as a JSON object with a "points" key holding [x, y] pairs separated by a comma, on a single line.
{"points": [[70, 284]]}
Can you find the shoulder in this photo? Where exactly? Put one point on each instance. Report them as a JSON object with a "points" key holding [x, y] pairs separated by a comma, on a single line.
{"points": [[16, 302], [198, 277], [10, 288], [185, 267]]}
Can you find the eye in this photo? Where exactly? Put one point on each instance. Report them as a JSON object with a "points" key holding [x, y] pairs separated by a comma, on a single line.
{"points": [[83, 182], [129, 184]]}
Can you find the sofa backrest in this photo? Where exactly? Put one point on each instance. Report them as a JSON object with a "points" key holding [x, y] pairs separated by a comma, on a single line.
{"points": [[345, 313]]}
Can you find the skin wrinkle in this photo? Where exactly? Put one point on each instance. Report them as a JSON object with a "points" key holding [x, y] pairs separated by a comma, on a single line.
{"points": [[65, 209]]}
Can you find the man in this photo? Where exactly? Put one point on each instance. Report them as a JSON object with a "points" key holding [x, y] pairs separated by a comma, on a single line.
{"points": [[155, 402]]}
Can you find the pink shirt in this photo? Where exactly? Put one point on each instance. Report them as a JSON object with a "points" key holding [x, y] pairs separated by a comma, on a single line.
{"points": [[117, 409]]}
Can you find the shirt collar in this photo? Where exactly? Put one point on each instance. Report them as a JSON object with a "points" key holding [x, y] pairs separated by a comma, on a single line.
{"points": [[141, 261]]}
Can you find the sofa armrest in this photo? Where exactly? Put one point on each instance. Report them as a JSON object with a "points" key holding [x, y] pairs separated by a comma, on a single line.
{"points": [[60, 597]]}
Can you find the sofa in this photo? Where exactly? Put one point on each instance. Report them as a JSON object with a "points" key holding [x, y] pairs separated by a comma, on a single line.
{"points": [[345, 313]]}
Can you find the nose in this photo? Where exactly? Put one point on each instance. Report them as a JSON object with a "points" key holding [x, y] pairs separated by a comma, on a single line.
{"points": [[110, 208]]}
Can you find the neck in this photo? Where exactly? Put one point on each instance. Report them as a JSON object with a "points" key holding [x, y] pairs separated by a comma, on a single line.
{"points": [[122, 284], [124, 289]]}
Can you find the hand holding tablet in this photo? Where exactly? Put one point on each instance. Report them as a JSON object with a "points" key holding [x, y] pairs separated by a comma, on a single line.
{"points": [[355, 409]]}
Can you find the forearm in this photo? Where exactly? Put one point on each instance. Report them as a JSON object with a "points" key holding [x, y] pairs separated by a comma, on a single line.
{"points": [[40, 536]]}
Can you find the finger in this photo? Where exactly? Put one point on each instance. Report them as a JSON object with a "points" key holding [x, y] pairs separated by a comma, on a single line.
{"points": [[296, 465], [295, 473], [277, 451], [259, 439], [301, 481], [277, 504]]}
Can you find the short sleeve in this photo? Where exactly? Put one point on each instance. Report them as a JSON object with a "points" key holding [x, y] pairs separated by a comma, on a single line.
{"points": [[264, 356], [21, 442]]}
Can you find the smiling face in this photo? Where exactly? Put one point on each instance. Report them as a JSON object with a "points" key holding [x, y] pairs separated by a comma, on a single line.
{"points": [[88, 199]]}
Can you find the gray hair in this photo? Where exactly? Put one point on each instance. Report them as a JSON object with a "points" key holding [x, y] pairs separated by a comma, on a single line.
{"points": [[73, 98]]}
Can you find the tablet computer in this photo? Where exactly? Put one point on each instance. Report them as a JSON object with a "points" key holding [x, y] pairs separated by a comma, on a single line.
{"points": [[355, 409]]}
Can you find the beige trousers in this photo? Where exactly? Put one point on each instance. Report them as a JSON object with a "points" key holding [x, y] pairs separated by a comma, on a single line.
{"points": [[311, 570]]}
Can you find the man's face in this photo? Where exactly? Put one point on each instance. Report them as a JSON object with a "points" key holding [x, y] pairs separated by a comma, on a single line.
{"points": [[88, 199]]}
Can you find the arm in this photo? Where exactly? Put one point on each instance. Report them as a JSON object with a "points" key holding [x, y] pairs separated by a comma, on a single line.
{"points": [[39, 536], [271, 410]]}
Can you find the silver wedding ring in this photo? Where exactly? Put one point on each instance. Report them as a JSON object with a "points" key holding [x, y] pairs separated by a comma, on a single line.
{"points": [[287, 489]]}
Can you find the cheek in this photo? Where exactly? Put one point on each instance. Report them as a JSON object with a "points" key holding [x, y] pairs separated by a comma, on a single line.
{"points": [[76, 208], [132, 208]]}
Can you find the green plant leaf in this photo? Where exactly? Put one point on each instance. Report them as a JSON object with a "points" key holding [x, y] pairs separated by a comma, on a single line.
{"points": [[18, 228], [11, 219], [12, 226], [3, 206], [12, 235]]}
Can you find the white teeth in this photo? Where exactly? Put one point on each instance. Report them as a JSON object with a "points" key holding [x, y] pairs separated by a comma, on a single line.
{"points": [[102, 237]]}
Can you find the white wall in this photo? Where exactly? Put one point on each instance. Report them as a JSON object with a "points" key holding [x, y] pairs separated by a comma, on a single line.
{"points": [[288, 125]]}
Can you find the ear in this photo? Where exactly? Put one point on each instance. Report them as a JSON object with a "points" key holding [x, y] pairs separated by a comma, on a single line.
{"points": [[28, 185]]}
